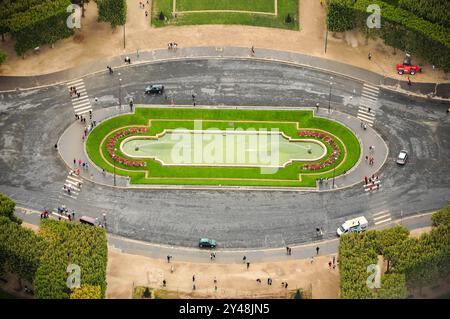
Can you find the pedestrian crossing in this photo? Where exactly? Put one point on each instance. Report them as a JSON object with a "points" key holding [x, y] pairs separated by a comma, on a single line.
{"points": [[72, 186], [373, 186], [382, 217], [80, 104], [368, 104]]}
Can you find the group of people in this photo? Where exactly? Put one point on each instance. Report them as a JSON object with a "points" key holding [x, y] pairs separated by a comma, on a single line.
{"points": [[172, 46], [212, 256], [44, 214], [81, 118], [81, 164], [288, 251], [370, 160], [73, 92]]}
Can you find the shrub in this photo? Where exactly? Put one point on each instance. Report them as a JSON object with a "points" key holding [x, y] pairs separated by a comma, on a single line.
{"points": [[86, 292], [441, 217], [112, 11], [7, 206], [3, 57]]}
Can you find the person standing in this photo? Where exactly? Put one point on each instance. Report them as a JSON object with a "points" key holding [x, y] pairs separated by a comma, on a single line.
{"points": [[369, 56], [409, 81], [317, 250], [248, 265]]}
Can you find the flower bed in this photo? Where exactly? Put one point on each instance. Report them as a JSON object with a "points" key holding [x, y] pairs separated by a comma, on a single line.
{"points": [[335, 151], [112, 143]]}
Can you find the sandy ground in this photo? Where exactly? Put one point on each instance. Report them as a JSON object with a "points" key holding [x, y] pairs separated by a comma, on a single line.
{"points": [[233, 280], [96, 41]]}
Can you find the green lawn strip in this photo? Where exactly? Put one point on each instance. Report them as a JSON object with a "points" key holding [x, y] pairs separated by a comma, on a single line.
{"points": [[285, 7], [194, 5], [228, 117]]}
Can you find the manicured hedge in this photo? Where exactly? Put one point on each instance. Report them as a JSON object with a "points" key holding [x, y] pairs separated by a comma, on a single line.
{"points": [[44, 23], [20, 249], [72, 243], [412, 262], [7, 206], [437, 11], [441, 217], [400, 28], [86, 292], [112, 11]]}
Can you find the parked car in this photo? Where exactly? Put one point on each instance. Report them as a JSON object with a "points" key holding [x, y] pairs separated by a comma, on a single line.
{"points": [[154, 89], [207, 243], [402, 157], [355, 225]]}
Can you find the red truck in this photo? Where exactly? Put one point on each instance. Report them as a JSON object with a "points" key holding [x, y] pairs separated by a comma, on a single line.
{"points": [[407, 67]]}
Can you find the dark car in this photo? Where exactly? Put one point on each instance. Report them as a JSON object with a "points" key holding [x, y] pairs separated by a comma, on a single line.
{"points": [[207, 243], [154, 89]]}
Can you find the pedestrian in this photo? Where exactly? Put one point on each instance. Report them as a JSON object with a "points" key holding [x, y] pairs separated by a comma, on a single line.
{"points": [[164, 283], [168, 258], [211, 256], [365, 126], [290, 251], [244, 259], [317, 250], [131, 106], [369, 109], [193, 287], [248, 265], [73, 215], [362, 124], [215, 281], [285, 285], [365, 180], [369, 56], [194, 103], [103, 172], [253, 51], [70, 218], [317, 106], [193, 97], [74, 162], [193, 278], [146, 13], [329, 264], [258, 280], [78, 94], [409, 81], [287, 250]]}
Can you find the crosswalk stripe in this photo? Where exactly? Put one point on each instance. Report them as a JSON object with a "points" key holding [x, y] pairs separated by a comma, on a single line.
{"points": [[75, 179], [372, 184], [383, 221], [77, 109], [369, 114], [80, 100], [369, 97], [71, 83], [83, 112], [365, 118], [82, 104], [72, 191], [72, 185], [381, 213], [370, 87], [71, 196], [382, 216]]}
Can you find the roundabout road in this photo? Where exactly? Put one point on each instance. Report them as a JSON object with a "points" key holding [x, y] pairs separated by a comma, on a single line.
{"points": [[32, 173]]}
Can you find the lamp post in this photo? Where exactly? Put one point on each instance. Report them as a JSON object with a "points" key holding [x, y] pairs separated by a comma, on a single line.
{"points": [[334, 170], [120, 93], [329, 98], [114, 159]]}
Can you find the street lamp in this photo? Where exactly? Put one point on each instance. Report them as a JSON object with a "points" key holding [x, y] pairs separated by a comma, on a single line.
{"points": [[329, 98], [114, 159], [334, 171], [120, 93]]}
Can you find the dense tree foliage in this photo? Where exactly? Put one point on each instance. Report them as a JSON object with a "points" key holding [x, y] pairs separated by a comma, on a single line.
{"points": [[7, 206], [40, 23], [112, 11], [412, 262], [86, 292], [400, 28], [442, 216], [20, 249], [89, 253], [437, 11], [3, 57]]}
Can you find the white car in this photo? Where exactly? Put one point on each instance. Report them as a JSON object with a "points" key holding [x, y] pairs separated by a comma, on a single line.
{"points": [[355, 225], [402, 157]]}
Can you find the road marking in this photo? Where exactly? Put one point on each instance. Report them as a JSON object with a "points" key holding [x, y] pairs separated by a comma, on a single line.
{"points": [[382, 217], [383, 221], [80, 104], [369, 98]]}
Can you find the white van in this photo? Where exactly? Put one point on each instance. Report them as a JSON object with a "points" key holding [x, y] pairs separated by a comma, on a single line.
{"points": [[355, 225]]}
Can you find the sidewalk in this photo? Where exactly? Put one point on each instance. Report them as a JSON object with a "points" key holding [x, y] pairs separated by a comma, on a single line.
{"points": [[71, 146]]}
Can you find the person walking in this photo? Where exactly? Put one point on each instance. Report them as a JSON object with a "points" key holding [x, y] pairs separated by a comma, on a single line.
{"points": [[252, 51], [193, 278], [244, 259], [409, 81], [369, 56], [329, 264], [285, 285], [317, 250], [248, 265], [164, 283], [168, 258]]}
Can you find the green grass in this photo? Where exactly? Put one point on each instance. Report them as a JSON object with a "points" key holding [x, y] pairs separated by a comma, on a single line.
{"points": [[191, 175], [285, 7]]}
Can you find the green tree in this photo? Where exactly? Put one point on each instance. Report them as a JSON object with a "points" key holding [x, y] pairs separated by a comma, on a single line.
{"points": [[441, 217], [86, 292], [7, 205], [3, 57], [112, 11]]}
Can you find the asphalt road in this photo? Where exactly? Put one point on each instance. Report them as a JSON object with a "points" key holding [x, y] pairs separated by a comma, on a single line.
{"points": [[32, 173]]}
